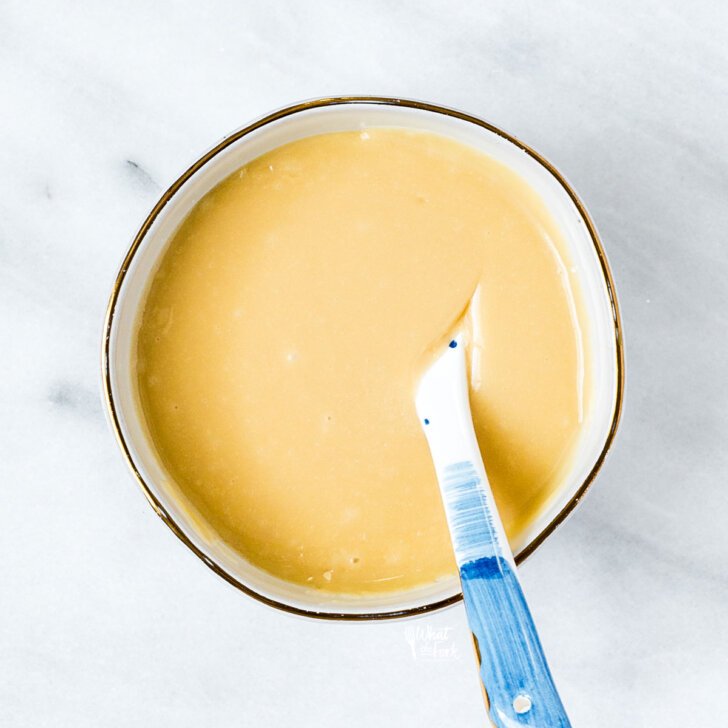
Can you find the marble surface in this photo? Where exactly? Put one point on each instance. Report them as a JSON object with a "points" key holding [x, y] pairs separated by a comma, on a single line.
{"points": [[105, 619]]}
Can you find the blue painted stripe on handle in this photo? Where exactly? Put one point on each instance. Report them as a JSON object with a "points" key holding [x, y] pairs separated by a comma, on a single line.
{"points": [[471, 521], [512, 662]]}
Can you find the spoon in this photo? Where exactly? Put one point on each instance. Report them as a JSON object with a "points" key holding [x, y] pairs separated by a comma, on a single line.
{"points": [[515, 676]]}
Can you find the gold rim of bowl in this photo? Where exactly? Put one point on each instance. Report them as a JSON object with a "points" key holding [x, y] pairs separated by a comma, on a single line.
{"points": [[234, 137]]}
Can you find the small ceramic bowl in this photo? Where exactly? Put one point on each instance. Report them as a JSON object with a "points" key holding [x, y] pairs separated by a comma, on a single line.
{"points": [[302, 120]]}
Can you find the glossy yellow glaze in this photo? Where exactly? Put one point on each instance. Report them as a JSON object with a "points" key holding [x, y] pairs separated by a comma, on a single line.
{"points": [[283, 331]]}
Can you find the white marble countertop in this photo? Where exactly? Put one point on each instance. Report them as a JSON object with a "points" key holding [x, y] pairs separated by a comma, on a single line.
{"points": [[105, 619]]}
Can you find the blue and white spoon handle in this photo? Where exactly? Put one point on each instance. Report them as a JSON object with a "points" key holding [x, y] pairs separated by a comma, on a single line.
{"points": [[513, 668]]}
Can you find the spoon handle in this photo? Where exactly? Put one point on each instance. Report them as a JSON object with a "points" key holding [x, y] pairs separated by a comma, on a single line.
{"points": [[513, 669]]}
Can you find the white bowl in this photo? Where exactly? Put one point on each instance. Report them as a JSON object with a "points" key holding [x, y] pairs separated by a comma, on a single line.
{"points": [[295, 122]]}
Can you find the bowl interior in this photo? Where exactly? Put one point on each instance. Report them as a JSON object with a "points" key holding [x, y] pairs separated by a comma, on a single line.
{"points": [[244, 146]]}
